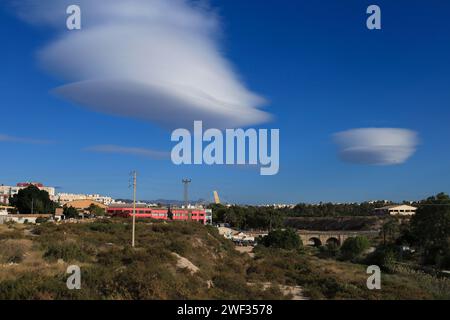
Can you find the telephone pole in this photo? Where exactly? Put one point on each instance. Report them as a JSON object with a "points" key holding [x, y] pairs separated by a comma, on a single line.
{"points": [[186, 199], [134, 208]]}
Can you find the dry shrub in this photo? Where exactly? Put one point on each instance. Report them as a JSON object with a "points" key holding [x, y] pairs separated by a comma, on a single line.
{"points": [[13, 250]]}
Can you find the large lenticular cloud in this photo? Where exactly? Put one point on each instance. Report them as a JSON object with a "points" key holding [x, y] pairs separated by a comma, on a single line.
{"points": [[156, 60], [376, 146]]}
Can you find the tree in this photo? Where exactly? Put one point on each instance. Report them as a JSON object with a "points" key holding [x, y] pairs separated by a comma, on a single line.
{"points": [[70, 212], [33, 200], [96, 210], [286, 239], [431, 227], [384, 257], [354, 247], [169, 213], [390, 231]]}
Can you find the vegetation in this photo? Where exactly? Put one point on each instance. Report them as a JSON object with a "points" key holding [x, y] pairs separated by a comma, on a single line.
{"points": [[250, 217], [335, 223], [96, 211], [353, 247], [335, 210], [186, 260], [285, 239], [160, 267], [70, 212], [33, 200], [430, 229], [384, 256]]}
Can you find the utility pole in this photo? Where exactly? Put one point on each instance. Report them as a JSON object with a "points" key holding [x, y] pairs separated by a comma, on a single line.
{"points": [[32, 205], [134, 208], [186, 199]]}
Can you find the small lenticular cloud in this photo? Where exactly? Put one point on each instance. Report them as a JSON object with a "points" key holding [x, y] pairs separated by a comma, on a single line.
{"points": [[376, 146]]}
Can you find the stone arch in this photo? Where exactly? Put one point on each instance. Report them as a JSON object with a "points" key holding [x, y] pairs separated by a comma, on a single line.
{"points": [[333, 241], [314, 241]]}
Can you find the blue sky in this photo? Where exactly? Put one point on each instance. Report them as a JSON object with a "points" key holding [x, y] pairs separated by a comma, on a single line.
{"points": [[318, 66]]}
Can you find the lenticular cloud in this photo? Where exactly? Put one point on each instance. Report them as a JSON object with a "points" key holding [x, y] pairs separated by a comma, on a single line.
{"points": [[376, 146], [156, 60]]}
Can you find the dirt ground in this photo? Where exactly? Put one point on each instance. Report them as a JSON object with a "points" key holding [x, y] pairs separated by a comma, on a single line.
{"points": [[248, 250]]}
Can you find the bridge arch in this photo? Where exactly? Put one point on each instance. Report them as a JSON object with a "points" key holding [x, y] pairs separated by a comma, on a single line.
{"points": [[332, 241], [314, 241]]}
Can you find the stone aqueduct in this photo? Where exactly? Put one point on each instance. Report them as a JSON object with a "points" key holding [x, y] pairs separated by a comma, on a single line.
{"points": [[320, 238]]}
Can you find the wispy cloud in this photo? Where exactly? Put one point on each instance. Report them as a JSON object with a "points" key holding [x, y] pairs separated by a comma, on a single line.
{"points": [[8, 138], [157, 60], [376, 146], [114, 149]]}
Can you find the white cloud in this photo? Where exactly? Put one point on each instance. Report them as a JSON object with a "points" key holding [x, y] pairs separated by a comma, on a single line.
{"points": [[8, 138], [157, 60], [114, 149], [376, 146]]}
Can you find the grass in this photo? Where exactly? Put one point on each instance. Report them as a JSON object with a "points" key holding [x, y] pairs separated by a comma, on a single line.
{"points": [[111, 269]]}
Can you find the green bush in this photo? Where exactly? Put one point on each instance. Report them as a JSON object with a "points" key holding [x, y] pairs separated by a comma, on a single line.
{"points": [[41, 220], [11, 252], [354, 247], [70, 212], [66, 251], [384, 257], [285, 239]]}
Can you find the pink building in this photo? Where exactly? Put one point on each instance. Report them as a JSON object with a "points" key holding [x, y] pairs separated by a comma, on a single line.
{"points": [[143, 211]]}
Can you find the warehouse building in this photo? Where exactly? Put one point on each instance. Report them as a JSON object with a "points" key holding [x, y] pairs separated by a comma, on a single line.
{"points": [[403, 210]]}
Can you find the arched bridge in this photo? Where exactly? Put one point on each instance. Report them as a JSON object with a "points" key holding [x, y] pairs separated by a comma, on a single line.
{"points": [[320, 238]]}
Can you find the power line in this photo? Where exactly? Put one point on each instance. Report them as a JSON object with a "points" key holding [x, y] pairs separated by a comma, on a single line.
{"points": [[186, 198], [134, 175]]}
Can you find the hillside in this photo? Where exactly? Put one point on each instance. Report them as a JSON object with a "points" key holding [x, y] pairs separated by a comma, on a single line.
{"points": [[177, 261]]}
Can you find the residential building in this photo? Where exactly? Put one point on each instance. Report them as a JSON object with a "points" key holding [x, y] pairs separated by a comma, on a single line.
{"points": [[209, 217], [64, 198], [8, 191]]}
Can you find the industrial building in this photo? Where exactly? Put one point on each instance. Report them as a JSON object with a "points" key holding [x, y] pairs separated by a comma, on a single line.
{"points": [[402, 210], [201, 215]]}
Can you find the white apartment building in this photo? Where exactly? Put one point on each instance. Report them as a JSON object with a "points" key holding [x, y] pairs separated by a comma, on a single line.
{"points": [[9, 191], [64, 198]]}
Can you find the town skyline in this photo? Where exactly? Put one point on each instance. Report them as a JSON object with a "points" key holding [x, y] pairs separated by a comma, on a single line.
{"points": [[63, 197]]}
